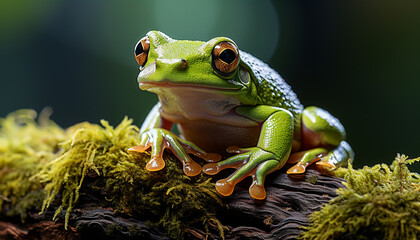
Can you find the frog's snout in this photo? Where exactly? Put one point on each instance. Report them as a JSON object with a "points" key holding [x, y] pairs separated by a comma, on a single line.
{"points": [[180, 64]]}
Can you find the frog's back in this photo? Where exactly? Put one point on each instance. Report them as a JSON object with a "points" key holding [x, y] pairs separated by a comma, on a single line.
{"points": [[271, 87]]}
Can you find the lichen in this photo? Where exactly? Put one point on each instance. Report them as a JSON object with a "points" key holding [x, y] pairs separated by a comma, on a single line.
{"points": [[49, 164], [381, 202]]}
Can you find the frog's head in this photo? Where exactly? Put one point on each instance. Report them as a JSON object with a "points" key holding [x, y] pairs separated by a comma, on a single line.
{"points": [[214, 66]]}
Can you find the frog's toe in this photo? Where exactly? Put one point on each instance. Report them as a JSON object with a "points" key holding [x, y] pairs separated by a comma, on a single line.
{"points": [[191, 148], [237, 150], [326, 164], [139, 148], [297, 169], [156, 163], [340, 156], [257, 191], [233, 149], [211, 168], [211, 157], [253, 162], [192, 169], [304, 159], [232, 162], [181, 150], [225, 187]]}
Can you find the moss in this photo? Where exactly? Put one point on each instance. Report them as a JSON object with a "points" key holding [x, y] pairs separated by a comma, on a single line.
{"points": [[25, 145], [311, 179], [381, 202], [44, 166], [135, 230], [43, 161]]}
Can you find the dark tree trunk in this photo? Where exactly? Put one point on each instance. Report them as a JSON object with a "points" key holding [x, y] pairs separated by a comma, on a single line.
{"points": [[290, 199]]}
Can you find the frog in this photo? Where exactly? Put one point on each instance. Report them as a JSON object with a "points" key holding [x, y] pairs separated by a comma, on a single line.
{"points": [[228, 104]]}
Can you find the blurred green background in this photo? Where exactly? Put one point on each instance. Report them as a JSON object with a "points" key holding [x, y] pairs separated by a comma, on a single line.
{"points": [[357, 59]]}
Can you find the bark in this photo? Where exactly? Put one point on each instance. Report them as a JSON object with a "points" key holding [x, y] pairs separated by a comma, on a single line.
{"points": [[290, 199]]}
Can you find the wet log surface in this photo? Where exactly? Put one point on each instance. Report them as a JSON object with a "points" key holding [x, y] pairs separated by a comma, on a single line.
{"points": [[290, 199]]}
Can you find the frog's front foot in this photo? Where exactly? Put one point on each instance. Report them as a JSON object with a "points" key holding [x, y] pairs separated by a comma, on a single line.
{"points": [[254, 162], [159, 139]]}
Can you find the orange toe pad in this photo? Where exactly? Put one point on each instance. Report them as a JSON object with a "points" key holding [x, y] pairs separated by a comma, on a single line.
{"points": [[192, 169], [325, 164], [155, 164], [224, 187], [138, 149], [211, 168], [257, 191], [297, 169]]}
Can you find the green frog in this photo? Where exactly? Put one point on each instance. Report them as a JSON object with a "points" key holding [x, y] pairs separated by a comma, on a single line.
{"points": [[224, 99]]}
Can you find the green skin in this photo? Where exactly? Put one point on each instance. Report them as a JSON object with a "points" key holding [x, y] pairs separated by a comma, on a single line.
{"points": [[251, 112]]}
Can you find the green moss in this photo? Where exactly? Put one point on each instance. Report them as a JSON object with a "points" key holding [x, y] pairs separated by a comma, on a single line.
{"points": [[49, 163], [43, 165], [379, 201], [311, 179], [25, 145]]}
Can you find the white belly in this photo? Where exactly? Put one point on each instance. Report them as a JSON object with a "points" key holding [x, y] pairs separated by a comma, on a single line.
{"points": [[208, 118], [216, 137]]}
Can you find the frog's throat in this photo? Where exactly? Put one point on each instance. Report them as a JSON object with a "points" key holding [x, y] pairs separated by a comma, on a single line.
{"points": [[185, 103]]}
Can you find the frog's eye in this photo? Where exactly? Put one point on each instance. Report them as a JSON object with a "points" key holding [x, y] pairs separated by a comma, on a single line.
{"points": [[141, 50], [225, 57]]}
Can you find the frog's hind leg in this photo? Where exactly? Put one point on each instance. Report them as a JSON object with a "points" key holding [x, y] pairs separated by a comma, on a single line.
{"points": [[323, 139]]}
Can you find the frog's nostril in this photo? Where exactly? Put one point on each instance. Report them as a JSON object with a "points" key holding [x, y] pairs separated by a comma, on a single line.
{"points": [[183, 64]]}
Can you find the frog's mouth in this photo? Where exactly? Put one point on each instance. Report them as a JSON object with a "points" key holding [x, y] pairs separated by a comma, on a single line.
{"points": [[150, 86]]}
